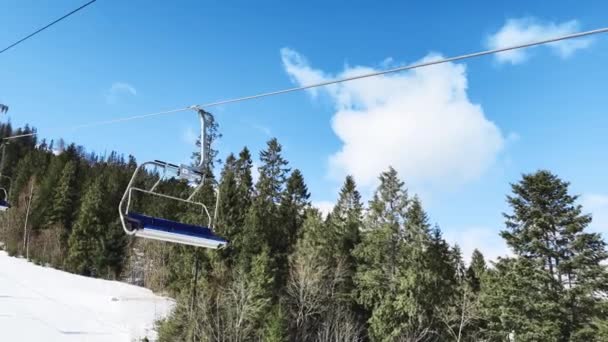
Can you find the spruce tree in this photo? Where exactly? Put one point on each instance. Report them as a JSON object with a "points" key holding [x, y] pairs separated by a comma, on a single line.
{"points": [[379, 253], [517, 303], [84, 248], [294, 201], [445, 263], [228, 205], [63, 204], [263, 222], [235, 192], [260, 281], [275, 329], [273, 173], [406, 272], [380, 257], [244, 180], [429, 275], [343, 235], [547, 229], [476, 270]]}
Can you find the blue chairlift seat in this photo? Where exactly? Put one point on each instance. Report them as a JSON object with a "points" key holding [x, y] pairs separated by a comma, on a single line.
{"points": [[4, 205], [167, 230]]}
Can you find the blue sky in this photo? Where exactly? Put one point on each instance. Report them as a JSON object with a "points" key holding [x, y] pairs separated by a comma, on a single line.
{"points": [[458, 134]]}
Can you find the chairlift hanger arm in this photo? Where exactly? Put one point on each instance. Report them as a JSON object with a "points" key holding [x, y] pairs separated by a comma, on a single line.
{"points": [[206, 119]]}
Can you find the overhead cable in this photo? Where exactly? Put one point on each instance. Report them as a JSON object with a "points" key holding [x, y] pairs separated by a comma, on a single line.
{"points": [[341, 80], [47, 26]]}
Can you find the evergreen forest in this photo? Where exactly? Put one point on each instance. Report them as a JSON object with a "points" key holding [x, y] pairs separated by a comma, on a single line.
{"points": [[368, 271]]}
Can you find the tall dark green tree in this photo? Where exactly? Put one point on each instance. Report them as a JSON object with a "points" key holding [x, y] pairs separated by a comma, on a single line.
{"points": [[380, 257], [294, 202], [64, 200], [381, 249], [344, 234], [236, 189], [429, 278], [517, 303], [263, 223], [476, 270], [229, 199], [84, 248], [244, 179], [548, 230], [445, 264]]}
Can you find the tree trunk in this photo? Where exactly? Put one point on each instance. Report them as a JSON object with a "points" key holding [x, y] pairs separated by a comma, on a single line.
{"points": [[194, 283], [27, 214]]}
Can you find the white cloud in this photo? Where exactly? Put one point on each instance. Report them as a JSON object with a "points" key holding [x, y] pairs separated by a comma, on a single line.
{"points": [[597, 205], [420, 122], [298, 70], [119, 89], [325, 207], [486, 240], [527, 30]]}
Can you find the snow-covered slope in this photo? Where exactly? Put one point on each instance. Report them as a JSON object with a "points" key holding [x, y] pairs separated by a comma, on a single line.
{"points": [[43, 304]]}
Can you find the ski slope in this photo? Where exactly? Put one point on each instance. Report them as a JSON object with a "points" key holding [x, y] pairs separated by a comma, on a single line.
{"points": [[44, 304]]}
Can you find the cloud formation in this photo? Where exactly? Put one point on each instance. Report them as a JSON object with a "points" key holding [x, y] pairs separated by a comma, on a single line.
{"points": [[420, 122], [118, 90], [527, 30]]}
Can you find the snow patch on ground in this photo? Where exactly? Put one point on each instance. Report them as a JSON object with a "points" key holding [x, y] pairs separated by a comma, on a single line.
{"points": [[44, 304]]}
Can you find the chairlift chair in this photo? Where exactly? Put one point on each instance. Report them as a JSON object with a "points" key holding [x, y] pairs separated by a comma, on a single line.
{"points": [[4, 200], [4, 205], [145, 226]]}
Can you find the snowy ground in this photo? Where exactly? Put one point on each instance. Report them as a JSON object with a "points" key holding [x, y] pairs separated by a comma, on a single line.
{"points": [[43, 304]]}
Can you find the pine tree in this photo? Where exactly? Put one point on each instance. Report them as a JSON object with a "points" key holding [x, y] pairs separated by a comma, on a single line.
{"points": [[345, 223], [229, 200], [244, 179], [445, 263], [429, 275], [273, 172], [380, 257], [476, 270], [294, 201], [48, 182], [547, 229], [235, 199], [28, 166], [275, 328], [84, 249], [406, 272], [63, 205], [517, 303], [380, 251], [261, 279], [263, 222]]}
